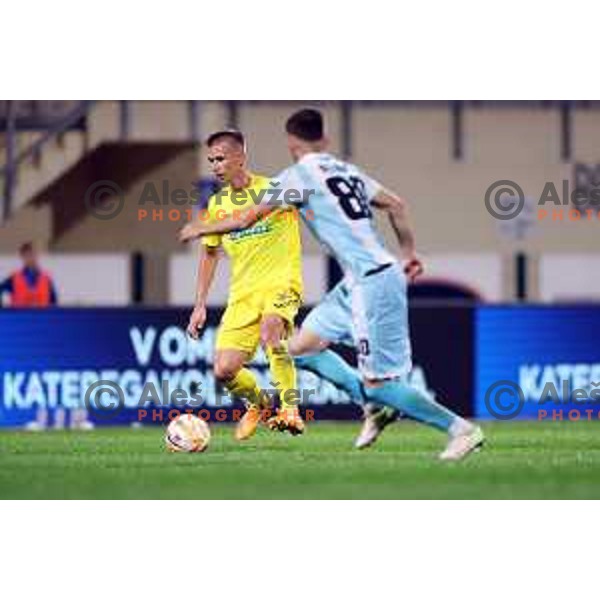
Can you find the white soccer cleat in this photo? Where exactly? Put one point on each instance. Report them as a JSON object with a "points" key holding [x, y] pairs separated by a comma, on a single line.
{"points": [[376, 420], [35, 426], [84, 426], [79, 420], [461, 445], [41, 421]]}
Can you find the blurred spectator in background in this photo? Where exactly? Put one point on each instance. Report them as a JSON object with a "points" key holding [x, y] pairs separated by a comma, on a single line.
{"points": [[29, 287]]}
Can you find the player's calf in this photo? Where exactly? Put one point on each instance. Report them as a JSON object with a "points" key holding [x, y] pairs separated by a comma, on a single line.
{"points": [[241, 383]]}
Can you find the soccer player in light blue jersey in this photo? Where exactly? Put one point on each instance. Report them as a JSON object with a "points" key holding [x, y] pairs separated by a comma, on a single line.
{"points": [[369, 307]]}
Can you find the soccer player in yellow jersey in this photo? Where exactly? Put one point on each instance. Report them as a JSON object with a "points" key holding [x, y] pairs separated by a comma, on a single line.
{"points": [[265, 288]]}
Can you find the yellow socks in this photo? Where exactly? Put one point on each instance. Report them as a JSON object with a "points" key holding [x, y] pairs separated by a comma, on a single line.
{"points": [[283, 372], [244, 385]]}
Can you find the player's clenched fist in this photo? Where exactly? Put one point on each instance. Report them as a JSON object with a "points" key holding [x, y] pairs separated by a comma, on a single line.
{"points": [[413, 268], [197, 321]]}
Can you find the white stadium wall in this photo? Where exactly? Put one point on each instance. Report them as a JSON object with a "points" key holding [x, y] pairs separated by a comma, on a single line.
{"points": [[481, 273], [569, 277], [407, 147]]}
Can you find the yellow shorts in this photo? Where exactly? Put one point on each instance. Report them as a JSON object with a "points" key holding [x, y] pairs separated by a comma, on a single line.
{"points": [[240, 325]]}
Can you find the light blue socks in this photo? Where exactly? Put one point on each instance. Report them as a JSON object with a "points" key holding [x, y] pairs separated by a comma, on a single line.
{"points": [[334, 368], [395, 394], [413, 403]]}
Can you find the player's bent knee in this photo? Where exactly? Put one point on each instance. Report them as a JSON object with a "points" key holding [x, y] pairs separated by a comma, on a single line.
{"points": [[226, 369], [295, 346], [303, 343], [225, 372], [272, 332]]}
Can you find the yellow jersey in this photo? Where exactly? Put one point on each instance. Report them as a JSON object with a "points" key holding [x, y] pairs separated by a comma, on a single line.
{"points": [[267, 254]]}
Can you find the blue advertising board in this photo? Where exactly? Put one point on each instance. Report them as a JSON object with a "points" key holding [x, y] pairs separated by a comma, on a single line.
{"points": [[501, 362], [540, 362], [130, 360], [52, 358]]}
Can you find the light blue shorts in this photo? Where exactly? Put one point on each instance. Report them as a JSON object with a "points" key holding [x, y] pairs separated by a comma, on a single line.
{"points": [[371, 314]]}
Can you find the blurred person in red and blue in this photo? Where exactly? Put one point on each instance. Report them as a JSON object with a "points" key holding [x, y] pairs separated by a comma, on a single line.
{"points": [[30, 286]]}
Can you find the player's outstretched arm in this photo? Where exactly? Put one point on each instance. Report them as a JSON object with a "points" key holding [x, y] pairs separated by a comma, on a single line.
{"points": [[207, 264], [238, 220], [398, 213]]}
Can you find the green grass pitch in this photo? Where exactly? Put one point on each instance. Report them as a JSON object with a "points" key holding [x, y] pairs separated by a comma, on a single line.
{"points": [[521, 460]]}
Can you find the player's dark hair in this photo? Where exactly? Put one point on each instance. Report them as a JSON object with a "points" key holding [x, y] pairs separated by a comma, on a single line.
{"points": [[306, 124], [234, 134]]}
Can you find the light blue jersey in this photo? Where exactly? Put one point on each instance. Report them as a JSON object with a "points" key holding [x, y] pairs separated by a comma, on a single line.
{"points": [[369, 308], [338, 212]]}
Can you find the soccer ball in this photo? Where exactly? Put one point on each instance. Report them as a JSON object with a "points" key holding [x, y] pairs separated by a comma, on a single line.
{"points": [[187, 433]]}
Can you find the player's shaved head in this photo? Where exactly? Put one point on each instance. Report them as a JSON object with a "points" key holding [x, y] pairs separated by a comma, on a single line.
{"points": [[227, 156], [231, 136]]}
